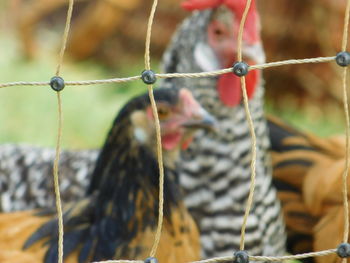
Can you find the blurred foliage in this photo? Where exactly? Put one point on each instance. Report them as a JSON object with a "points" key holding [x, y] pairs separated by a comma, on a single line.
{"points": [[303, 29]]}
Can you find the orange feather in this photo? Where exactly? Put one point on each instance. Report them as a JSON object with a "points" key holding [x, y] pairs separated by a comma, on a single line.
{"points": [[308, 173]]}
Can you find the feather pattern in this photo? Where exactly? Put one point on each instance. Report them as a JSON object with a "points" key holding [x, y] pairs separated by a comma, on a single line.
{"points": [[308, 174], [26, 181]]}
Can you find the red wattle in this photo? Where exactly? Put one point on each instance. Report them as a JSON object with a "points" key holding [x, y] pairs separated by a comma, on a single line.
{"points": [[169, 141], [251, 81], [229, 87]]}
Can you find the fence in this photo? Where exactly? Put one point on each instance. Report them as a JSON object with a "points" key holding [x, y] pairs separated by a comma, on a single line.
{"points": [[240, 69]]}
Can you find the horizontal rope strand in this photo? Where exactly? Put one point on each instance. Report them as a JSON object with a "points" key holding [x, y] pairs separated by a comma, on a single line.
{"points": [[263, 258], [173, 75], [292, 62], [120, 261]]}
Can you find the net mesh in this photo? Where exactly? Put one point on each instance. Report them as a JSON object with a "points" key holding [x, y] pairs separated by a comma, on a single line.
{"points": [[159, 148]]}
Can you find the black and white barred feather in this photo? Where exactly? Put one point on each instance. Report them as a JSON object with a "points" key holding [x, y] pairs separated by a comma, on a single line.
{"points": [[26, 180]]}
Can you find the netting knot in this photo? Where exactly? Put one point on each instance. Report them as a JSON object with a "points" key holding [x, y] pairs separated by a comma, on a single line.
{"points": [[151, 260], [343, 59], [343, 250], [241, 256], [240, 69], [148, 77], [57, 83]]}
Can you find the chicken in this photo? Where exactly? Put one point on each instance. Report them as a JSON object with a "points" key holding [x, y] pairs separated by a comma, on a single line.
{"points": [[215, 170], [118, 218], [308, 172], [216, 167]]}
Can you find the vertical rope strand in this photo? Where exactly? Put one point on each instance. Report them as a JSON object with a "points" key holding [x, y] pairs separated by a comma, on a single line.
{"points": [[59, 136], [65, 36], [251, 127], [159, 141], [161, 174], [346, 110], [56, 181], [347, 153], [252, 165], [240, 32], [346, 26], [149, 34]]}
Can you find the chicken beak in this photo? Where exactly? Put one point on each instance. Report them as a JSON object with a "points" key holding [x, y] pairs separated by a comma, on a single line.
{"points": [[193, 115], [201, 120]]}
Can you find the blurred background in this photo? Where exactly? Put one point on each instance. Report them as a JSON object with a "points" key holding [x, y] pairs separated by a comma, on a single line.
{"points": [[107, 40]]}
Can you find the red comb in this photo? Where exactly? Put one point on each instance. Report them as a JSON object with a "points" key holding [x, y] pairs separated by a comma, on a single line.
{"points": [[191, 5], [237, 7]]}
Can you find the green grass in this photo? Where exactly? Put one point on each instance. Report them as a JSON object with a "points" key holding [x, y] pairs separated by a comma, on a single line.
{"points": [[322, 121], [29, 114]]}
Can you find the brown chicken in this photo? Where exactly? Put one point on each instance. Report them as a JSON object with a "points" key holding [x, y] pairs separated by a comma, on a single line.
{"points": [[118, 216], [308, 172]]}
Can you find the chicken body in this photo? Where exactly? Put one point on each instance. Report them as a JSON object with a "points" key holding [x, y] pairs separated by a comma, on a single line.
{"points": [[118, 218], [215, 170], [308, 173], [179, 241]]}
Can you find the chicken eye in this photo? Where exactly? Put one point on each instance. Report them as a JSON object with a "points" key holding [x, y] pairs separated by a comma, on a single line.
{"points": [[163, 112], [218, 32]]}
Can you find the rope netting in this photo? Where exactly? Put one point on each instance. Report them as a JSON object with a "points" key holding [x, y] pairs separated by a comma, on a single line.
{"points": [[158, 134]]}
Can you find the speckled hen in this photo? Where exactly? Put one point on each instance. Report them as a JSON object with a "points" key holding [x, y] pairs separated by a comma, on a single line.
{"points": [[216, 168]]}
